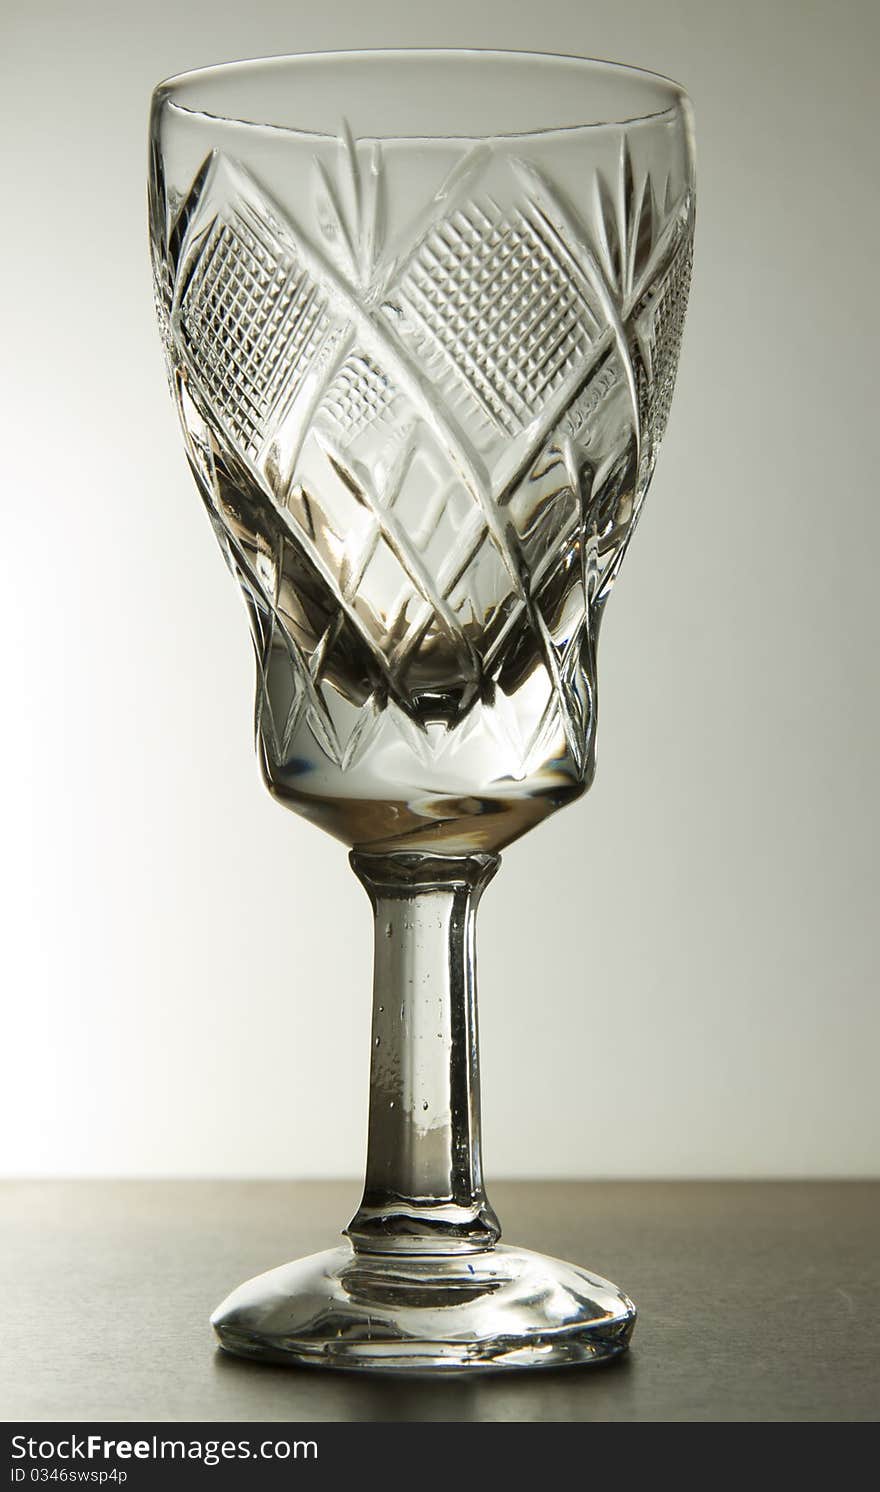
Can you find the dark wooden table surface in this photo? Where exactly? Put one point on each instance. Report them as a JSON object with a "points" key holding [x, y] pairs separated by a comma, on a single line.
{"points": [[758, 1301]]}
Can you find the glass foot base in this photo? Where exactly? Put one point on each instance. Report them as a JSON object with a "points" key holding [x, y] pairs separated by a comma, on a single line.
{"points": [[500, 1308]]}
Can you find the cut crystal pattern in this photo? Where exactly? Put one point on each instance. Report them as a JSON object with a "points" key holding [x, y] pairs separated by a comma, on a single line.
{"points": [[425, 487], [359, 395], [251, 320], [660, 323], [493, 295]]}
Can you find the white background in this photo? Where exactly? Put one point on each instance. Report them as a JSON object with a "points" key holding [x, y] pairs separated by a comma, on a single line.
{"points": [[677, 974]]}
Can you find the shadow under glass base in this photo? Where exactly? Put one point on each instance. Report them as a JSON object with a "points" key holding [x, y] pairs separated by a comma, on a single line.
{"points": [[498, 1308]]}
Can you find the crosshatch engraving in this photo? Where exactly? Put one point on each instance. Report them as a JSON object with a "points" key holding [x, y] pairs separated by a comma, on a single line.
{"points": [[426, 550], [492, 294]]}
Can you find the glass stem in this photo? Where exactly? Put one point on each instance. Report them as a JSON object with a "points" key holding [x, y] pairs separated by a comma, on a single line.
{"points": [[423, 1192]]}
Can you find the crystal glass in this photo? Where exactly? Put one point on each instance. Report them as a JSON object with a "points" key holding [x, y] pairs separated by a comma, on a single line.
{"points": [[422, 314]]}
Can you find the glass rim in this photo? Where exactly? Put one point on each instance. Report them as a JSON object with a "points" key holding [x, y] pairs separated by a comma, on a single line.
{"points": [[677, 99]]}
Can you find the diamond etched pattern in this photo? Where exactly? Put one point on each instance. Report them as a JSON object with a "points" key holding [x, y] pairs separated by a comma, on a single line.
{"points": [[660, 320], [491, 292], [251, 320], [397, 571], [359, 395], [408, 542]]}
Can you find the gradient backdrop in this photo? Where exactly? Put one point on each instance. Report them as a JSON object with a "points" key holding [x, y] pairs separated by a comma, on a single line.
{"points": [[677, 974]]}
